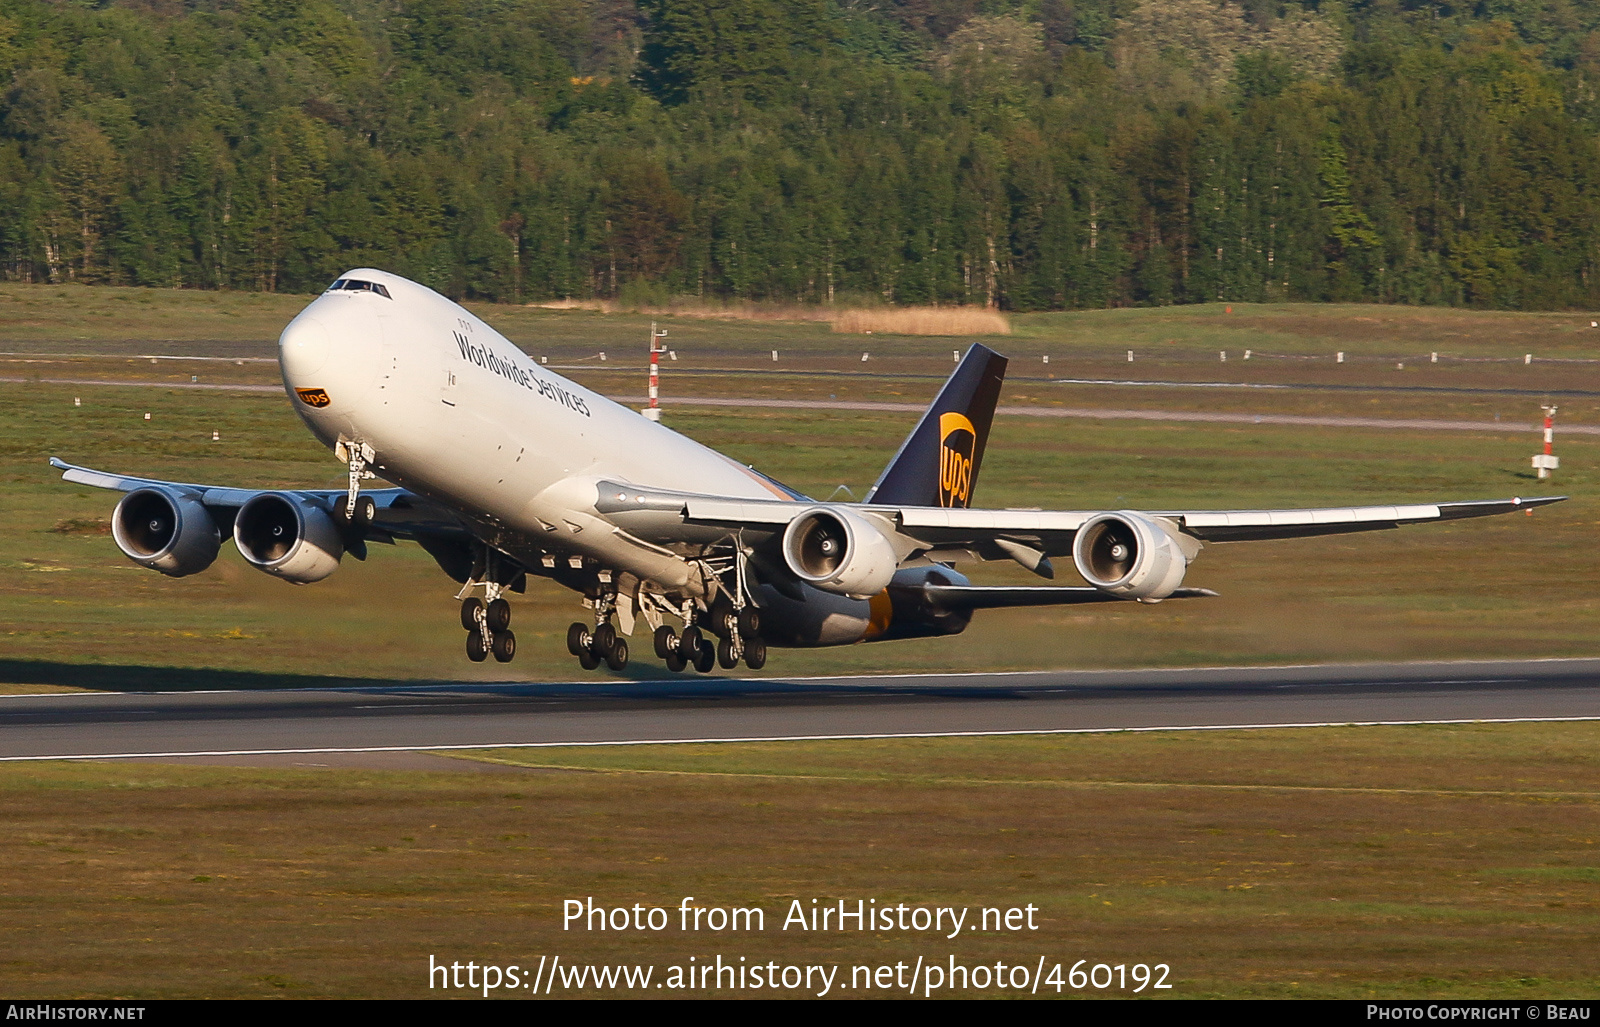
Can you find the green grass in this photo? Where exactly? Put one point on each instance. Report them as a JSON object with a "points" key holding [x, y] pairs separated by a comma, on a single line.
{"points": [[1334, 862], [1376, 862], [1456, 590], [106, 316]]}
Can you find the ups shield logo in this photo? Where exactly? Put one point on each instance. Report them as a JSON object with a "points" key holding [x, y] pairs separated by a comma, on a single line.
{"points": [[956, 441], [313, 397]]}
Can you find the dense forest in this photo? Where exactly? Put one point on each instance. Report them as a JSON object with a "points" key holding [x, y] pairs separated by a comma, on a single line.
{"points": [[1025, 154]]}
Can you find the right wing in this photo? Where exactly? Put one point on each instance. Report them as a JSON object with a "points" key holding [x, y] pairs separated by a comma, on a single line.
{"points": [[183, 540]]}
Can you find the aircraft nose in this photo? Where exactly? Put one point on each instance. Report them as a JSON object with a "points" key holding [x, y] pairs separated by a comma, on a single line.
{"points": [[303, 347], [334, 345]]}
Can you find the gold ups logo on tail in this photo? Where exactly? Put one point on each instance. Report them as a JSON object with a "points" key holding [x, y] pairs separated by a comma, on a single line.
{"points": [[313, 397], [956, 441]]}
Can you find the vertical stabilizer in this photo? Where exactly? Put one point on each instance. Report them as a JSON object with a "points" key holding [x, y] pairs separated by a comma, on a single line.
{"points": [[938, 463]]}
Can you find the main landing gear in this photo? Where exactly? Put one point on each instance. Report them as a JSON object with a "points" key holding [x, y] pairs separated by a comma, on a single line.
{"points": [[740, 641], [680, 651], [602, 643], [727, 613], [487, 621], [488, 627]]}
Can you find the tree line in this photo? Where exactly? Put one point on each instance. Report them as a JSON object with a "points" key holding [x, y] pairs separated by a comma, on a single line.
{"points": [[1024, 154]]}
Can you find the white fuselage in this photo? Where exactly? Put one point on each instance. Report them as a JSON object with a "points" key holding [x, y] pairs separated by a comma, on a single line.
{"points": [[454, 411]]}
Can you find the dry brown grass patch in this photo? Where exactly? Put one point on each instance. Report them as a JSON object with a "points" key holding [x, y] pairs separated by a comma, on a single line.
{"points": [[877, 321], [689, 306], [922, 321]]}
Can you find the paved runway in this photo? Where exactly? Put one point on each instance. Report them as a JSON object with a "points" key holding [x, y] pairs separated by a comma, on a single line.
{"points": [[225, 726]]}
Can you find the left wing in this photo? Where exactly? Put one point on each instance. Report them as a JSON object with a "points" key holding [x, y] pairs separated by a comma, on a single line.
{"points": [[1123, 554], [976, 532]]}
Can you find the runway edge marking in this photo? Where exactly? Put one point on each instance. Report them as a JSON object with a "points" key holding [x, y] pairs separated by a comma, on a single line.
{"points": [[791, 738]]}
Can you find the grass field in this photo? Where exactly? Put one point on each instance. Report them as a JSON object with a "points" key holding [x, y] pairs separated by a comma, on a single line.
{"points": [[1376, 862], [72, 332], [1503, 587], [1427, 861]]}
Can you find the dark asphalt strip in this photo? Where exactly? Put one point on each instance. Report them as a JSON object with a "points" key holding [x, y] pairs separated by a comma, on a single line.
{"points": [[424, 716]]}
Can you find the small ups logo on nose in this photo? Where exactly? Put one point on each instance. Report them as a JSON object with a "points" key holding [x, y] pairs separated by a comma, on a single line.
{"points": [[957, 438], [313, 397]]}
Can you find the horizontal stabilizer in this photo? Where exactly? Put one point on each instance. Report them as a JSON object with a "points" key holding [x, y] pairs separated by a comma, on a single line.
{"points": [[993, 597]]}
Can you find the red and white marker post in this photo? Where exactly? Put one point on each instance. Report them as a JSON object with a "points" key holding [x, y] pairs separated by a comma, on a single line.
{"points": [[653, 411], [1547, 461]]}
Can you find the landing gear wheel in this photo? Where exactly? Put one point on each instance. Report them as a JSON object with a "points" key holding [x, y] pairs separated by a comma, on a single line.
{"points": [[471, 610], [577, 639], [755, 654], [666, 641], [605, 636], [725, 658], [675, 661], [588, 660], [499, 614], [504, 646], [749, 622], [617, 655], [475, 648], [366, 513], [705, 657], [689, 643]]}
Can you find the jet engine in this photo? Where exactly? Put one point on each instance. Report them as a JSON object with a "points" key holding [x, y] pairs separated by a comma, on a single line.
{"points": [[837, 550], [289, 537], [1131, 555], [166, 530]]}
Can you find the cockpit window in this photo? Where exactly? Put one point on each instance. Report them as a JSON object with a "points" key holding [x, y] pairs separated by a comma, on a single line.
{"points": [[356, 285]]}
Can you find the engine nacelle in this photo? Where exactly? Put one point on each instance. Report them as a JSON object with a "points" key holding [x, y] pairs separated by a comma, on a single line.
{"points": [[166, 530], [1131, 555], [289, 537], [837, 550]]}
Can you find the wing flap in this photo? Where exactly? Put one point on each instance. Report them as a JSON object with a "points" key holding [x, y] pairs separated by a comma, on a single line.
{"points": [[737, 511], [958, 519]]}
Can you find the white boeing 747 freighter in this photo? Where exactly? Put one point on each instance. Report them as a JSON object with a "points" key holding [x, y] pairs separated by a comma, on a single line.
{"points": [[507, 471]]}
